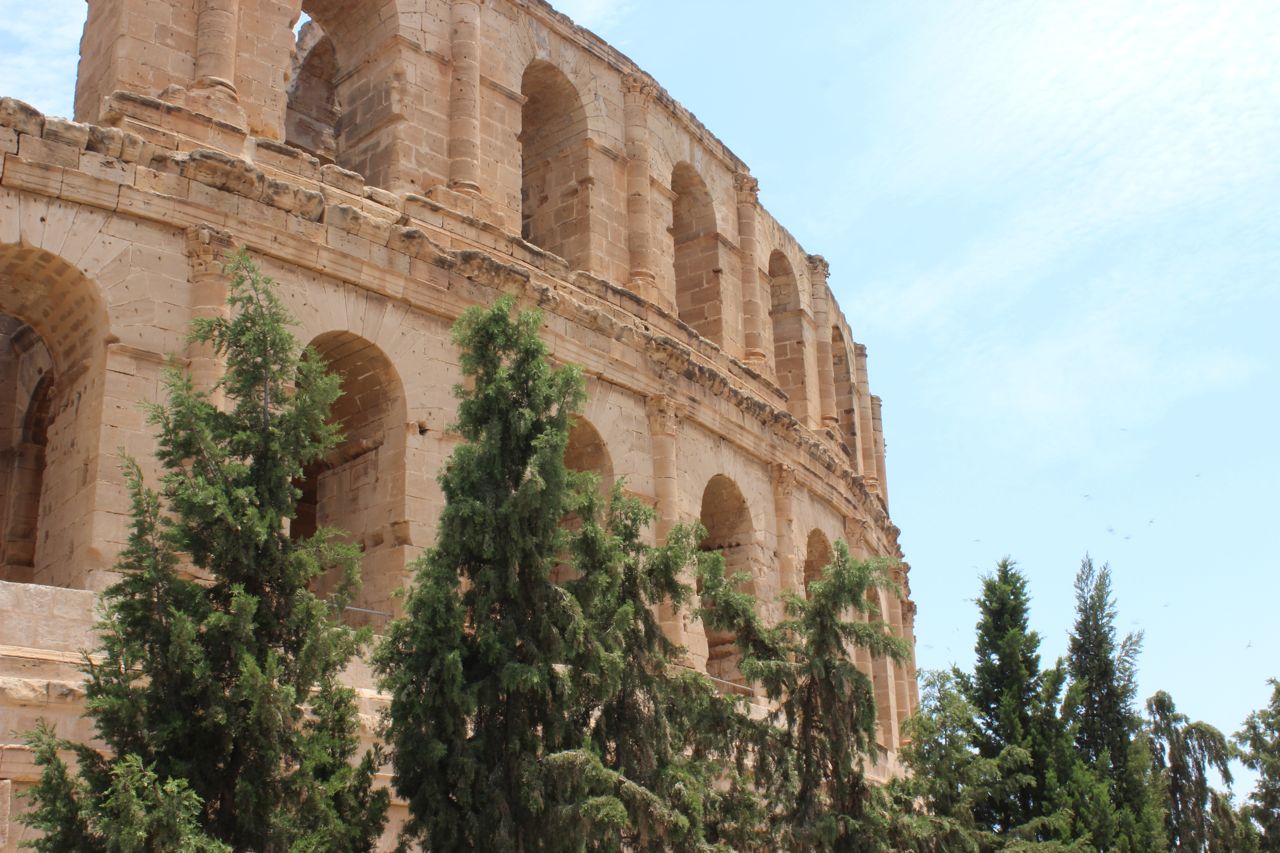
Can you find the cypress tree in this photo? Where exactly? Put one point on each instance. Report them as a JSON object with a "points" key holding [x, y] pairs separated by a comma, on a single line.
{"points": [[478, 669], [1185, 753], [1109, 734], [811, 754], [218, 700], [1259, 742]]}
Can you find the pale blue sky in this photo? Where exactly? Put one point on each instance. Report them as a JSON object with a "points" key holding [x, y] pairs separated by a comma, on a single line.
{"points": [[1057, 228]]}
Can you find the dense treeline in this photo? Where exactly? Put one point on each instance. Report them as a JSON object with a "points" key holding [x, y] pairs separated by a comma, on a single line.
{"points": [[530, 712]]}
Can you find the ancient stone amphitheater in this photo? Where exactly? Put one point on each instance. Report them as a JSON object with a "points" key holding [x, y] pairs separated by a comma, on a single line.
{"points": [[390, 163]]}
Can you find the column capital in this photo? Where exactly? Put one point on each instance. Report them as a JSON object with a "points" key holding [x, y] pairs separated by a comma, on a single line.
{"points": [[784, 479], [819, 266], [640, 87], [664, 415], [747, 187]]}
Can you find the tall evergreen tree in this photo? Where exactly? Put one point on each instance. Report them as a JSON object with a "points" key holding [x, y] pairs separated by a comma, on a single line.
{"points": [[810, 758], [1185, 754], [1109, 733], [1019, 722], [478, 671], [218, 700], [664, 730], [1259, 743]]}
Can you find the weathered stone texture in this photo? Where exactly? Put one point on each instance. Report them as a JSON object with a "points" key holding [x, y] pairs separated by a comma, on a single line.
{"points": [[392, 165]]}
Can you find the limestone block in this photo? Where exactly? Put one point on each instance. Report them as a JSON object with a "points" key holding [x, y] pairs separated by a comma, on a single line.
{"points": [[21, 117]]}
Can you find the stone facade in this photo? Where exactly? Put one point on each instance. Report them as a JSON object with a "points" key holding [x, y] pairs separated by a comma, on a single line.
{"points": [[390, 164]]}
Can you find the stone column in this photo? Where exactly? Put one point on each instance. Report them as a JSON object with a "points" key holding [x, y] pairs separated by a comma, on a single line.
{"points": [[638, 92], [784, 488], [663, 426], [866, 448], [217, 32], [207, 248], [464, 98], [748, 190], [819, 271], [877, 426]]}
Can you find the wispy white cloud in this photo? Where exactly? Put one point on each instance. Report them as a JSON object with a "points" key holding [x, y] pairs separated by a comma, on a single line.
{"points": [[39, 51], [1094, 125]]}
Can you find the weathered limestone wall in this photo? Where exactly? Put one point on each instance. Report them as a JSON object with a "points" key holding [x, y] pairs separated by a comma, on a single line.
{"points": [[398, 163]]}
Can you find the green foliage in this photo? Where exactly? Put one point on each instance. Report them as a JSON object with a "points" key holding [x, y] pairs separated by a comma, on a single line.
{"points": [[809, 758], [1259, 742], [479, 670], [1019, 724], [135, 813], [219, 698], [1185, 753]]}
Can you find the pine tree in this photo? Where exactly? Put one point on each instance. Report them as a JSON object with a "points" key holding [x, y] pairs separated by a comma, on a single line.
{"points": [[811, 755], [1110, 735], [218, 700], [478, 670], [1259, 743], [663, 730], [1185, 753], [1019, 723]]}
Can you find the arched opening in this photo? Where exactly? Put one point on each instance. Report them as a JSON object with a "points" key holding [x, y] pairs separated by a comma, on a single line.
{"points": [[727, 519], [555, 210], [788, 332], [53, 330], [586, 452], [846, 400], [697, 254], [26, 384], [818, 555], [358, 488], [313, 113]]}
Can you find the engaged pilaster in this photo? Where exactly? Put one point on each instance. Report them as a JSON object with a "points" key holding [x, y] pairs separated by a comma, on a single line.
{"points": [[819, 272], [638, 92], [464, 98], [784, 489], [748, 190], [214, 88], [664, 423], [207, 248], [866, 424]]}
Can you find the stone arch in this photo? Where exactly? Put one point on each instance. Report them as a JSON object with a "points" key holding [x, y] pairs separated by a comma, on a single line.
{"points": [[817, 556], [359, 487], [699, 301], [313, 113], [554, 192], [587, 451], [53, 334], [727, 520], [787, 315], [842, 371]]}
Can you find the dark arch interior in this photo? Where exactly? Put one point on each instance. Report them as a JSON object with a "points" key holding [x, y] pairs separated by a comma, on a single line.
{"points": [[727, 519], [818, 554], [788, 330], [697, 254], [553, 189]]}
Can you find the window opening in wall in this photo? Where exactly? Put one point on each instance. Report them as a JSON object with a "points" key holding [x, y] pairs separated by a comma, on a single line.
{"points": [[26, 397], [358, 488], [586, 452], [555, 213], [817, 557], [728, 523], [697, 254], [313, 114], [788, 330], [846, 402]]}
